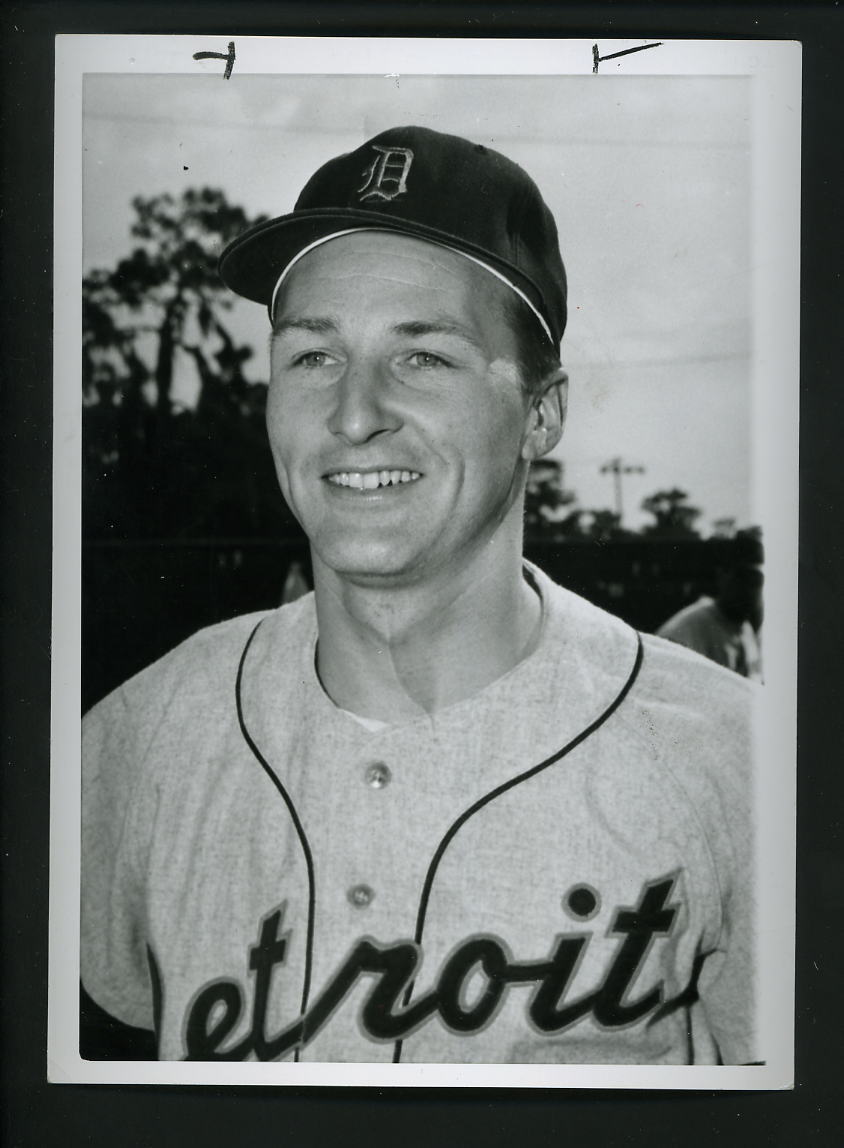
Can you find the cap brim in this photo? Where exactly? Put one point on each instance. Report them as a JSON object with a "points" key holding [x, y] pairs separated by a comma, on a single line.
{"points": [[251, 265]]}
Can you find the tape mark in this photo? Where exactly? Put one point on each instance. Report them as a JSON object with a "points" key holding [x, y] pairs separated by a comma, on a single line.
{"points": [[227, 56], [597, 58]]}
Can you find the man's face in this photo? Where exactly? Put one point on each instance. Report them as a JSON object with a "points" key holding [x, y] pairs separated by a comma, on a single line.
{"points": [[396, 413]]}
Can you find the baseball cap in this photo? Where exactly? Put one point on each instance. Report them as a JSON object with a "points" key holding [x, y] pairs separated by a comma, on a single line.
{"points": [[426, 184]]}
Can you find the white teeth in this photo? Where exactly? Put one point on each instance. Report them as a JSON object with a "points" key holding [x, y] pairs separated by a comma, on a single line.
{"points": [[372, 479]]}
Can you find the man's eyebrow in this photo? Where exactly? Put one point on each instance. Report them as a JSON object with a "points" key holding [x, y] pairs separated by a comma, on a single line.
{"points": [[320, 326], [411, 328], [420, 327]]}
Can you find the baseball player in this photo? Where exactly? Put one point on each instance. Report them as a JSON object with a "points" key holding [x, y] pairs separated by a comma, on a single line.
{"points": [[726, 627], [440, 809]]}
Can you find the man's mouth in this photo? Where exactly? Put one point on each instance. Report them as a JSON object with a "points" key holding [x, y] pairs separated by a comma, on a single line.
{"points": [[372, 479]]}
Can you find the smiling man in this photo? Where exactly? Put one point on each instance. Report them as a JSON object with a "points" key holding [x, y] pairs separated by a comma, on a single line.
{"points": [[440, 809]]}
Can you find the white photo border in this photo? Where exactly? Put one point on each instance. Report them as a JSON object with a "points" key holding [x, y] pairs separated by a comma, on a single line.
{"points": [[774, 67]]}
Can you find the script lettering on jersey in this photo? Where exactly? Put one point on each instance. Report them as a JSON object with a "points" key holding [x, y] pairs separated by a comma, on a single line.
{"points": [[218, 1007]]}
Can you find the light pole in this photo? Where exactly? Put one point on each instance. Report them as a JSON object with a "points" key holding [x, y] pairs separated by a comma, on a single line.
{"points": [[617, 468]]}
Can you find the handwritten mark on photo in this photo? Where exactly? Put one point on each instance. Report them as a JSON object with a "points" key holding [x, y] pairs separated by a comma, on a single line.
{"points": [[227, 56], [597, 58]]}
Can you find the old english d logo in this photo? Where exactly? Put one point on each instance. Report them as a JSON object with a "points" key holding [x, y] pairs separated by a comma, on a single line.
{"points": [[386, 176]]}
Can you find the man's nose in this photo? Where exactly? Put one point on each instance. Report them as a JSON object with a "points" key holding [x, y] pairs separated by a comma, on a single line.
{"points": [[362, 408]]}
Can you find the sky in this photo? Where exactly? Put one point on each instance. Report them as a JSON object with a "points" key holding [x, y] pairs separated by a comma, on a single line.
{"points": [[648, 177]]}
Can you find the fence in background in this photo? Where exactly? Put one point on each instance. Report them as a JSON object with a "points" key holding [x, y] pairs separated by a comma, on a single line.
{"points": [[139, 599]]}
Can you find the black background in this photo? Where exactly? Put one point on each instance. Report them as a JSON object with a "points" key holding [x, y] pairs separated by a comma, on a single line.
{"points": [[38, 1114]]}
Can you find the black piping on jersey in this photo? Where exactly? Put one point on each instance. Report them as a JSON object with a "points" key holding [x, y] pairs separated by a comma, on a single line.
{"points": [[493, 793], [157, 997], [303, 840], [447, 838]]}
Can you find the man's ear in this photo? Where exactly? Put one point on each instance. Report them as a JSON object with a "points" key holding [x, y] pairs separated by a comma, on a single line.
{"points": [[546, 416]]}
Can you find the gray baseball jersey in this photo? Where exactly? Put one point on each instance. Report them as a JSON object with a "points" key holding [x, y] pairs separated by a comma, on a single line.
{"points": [[559, 869]]}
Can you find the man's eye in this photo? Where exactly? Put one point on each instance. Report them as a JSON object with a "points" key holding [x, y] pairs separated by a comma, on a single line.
{"points": [[426, 359], [313, 359]]}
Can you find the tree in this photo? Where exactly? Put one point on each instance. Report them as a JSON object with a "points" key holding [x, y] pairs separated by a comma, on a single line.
{"points": [[604, 526], [673, 516], [169, 279], [153, 466], [545, 497]]}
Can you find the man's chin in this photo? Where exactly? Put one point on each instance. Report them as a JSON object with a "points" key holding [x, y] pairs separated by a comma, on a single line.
{"points": [[373, 567]]}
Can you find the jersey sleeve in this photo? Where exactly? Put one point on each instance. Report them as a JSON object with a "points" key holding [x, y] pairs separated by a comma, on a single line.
{"points": [[705, 752], [123, 775], [728, 981], [117, 808]]}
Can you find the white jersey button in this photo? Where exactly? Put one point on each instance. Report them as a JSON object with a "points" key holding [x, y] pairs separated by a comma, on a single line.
{"points": [[360, 896], [377, 775]]}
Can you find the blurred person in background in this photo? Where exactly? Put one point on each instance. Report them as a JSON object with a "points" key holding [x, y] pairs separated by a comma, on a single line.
{"points": [[726, 627]]}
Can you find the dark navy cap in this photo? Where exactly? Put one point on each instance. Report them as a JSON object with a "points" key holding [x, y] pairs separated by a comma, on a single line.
{"points": [[423, 183]]}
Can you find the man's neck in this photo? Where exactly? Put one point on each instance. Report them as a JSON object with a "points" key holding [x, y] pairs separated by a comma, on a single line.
{"points": [[396, 653]]}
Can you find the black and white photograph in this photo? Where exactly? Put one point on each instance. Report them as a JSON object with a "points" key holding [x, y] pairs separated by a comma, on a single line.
{"points": [[425, 562]]}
